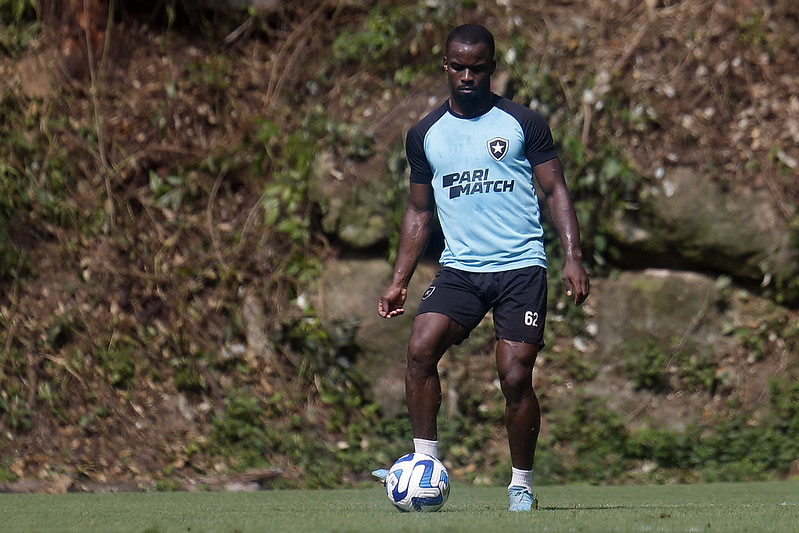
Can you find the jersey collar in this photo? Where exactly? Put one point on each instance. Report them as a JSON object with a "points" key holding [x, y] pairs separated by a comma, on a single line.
{"points": [[494, 99]]}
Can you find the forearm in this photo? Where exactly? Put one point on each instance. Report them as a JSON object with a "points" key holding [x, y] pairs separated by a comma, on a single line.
{"points": [[565, 220], [414, 235]]}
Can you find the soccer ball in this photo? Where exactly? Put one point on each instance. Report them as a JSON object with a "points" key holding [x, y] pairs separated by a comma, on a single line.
{"points": [[417, 482]]}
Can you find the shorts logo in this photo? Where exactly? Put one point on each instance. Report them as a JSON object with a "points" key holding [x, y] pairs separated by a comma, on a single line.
{"points": [[498, 147], [430, 290]]}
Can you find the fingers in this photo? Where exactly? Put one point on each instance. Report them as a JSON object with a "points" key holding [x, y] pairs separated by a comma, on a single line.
{"points": [[579, 290], [384, 309], [582, 293], [579, 298], [392, 313], [390, 304]]}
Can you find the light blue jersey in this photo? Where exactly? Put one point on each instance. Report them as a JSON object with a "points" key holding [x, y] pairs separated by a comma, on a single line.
{"points": [[481, 170]]}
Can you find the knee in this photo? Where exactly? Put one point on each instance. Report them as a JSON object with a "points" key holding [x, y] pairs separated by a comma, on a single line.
{"points": [[516, 382], [422, 358]]}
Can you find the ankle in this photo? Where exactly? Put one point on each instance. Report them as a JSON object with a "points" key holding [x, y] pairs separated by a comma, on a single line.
{"points": [[430, 447], [522, 478]]}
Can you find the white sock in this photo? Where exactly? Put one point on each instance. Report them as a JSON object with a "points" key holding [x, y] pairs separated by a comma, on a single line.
{"points": [[522, 478], [430, 447]]}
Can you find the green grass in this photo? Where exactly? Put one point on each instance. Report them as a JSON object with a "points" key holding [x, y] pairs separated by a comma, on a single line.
{"points": [[761, 506]]}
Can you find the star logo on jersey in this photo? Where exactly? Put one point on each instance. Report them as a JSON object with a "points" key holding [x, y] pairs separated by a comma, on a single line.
{"points": [[498, 147]]}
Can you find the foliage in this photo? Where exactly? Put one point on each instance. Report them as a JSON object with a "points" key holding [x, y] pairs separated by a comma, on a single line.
{"points": [[17, 412], [376, 38], [592, 443], [787, 284], [19, 25], [286, 209], [241, 433], [396, 196], [17, 10], [392, 34], [255, 428], [647, 366], [607, 176], [600, 180], [118, 364], [34, 174], [595, 437], [157, 313]]}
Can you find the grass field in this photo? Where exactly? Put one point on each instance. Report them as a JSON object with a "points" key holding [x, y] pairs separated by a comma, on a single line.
{"points": [[766, 506]]}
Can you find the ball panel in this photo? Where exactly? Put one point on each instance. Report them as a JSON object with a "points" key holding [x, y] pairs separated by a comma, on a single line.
{"points": [[417, 482]]}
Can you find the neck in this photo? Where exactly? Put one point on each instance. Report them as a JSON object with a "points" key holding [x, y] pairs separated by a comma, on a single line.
{"points": [[470, 107]]}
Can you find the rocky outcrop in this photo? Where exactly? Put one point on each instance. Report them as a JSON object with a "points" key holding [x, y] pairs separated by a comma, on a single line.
{"points": [[348, 290], [689, 332], [356, 213], [686, 220]]}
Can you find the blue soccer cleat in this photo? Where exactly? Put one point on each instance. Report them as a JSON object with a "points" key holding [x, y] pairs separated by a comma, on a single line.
{"points": [[521, 499], [380, 475]]}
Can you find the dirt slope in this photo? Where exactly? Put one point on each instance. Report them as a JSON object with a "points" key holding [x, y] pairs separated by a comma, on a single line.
{"points": [[159, 277]]}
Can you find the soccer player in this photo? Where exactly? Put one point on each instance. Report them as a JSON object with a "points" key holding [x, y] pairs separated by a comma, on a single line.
{"points": [[474, 160]]}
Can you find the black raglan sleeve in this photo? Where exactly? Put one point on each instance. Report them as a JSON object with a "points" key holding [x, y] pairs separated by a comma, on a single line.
{"points": [[421, 171], [538, 144]]}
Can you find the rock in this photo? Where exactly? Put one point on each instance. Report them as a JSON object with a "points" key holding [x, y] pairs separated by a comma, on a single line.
{"points": [[348, 290], [24, 486], [354, 211], [656, 305], [174, 413], [249, 481], [687, 221], [254, 319]]}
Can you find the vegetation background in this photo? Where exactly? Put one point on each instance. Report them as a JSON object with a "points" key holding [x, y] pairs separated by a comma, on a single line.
{"points": [[161, 228]]}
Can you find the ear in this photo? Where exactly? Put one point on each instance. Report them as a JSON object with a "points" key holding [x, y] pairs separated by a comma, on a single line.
{"points": [[445, 63], [492, 68]]}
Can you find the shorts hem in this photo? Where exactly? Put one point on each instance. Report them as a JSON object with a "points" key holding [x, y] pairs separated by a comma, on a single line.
{"points": [[540, 343]]}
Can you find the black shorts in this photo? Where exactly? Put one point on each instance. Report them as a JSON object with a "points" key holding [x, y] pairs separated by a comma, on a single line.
{"points": [[517, 297]]}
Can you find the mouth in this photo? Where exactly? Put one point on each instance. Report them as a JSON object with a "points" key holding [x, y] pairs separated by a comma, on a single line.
{"points": [[467, 89]]}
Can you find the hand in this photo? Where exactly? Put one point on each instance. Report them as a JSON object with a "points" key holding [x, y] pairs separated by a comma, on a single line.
{"points": [[575, 278], [390, 303]]}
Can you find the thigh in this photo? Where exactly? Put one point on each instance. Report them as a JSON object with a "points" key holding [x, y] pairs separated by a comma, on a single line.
{"points": [[521, 310], [456, 295], [432, 335]]}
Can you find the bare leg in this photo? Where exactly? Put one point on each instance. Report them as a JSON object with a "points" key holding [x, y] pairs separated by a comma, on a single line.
{"points": [[515, 362], [431, 336]]}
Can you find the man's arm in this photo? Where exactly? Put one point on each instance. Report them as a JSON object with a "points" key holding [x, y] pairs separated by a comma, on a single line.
{"points": [[550, 178], [414, 234]]}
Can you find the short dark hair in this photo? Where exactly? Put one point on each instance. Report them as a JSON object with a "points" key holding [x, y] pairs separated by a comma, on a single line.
{"points": [[471, 34]]}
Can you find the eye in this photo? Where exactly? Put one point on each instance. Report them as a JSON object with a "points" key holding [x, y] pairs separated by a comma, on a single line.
{"points": [[475, 69]]}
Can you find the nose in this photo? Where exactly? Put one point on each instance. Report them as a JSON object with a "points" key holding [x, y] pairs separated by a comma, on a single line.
{"points": [[468, 75]]}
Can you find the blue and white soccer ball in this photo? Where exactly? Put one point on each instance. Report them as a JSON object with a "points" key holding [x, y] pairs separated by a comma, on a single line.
{"points": [[418, 482]]}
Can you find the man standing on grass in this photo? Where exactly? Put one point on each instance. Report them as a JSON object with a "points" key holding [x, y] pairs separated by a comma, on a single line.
{"points": [[474, 160]]}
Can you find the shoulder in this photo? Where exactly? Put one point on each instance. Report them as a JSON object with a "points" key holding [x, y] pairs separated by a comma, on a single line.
{"points": [[538, 143], [421, 128], [521, 113]]}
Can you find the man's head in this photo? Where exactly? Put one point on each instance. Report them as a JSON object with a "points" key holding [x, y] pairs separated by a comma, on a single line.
{"points": [[469, 63], [471, 34]]}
